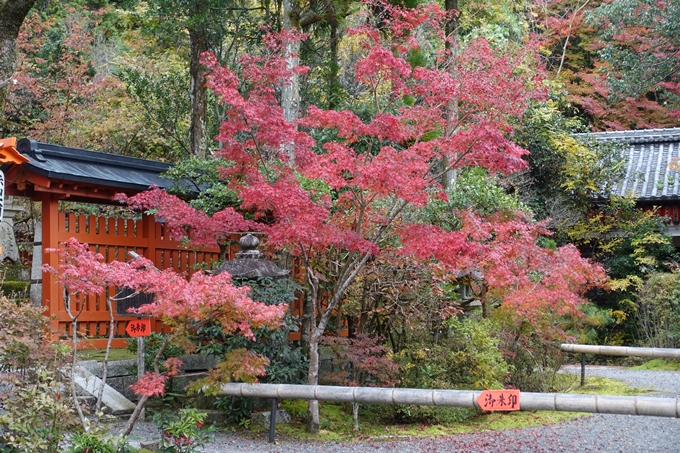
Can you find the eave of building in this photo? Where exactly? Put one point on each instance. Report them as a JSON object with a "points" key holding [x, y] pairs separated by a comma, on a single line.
{"points": [[79, 175], [648, 153]]}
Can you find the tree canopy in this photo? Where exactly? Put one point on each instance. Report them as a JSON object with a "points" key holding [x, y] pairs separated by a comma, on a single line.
{"points": [[412, 157]]}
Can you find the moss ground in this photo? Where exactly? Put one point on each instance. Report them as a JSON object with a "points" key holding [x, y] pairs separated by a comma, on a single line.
{"points": [[659, 365], [98, 354]]}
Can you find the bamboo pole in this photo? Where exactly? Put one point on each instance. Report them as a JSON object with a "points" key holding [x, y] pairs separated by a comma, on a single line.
{"points": [[601, 404], [656, 353]]}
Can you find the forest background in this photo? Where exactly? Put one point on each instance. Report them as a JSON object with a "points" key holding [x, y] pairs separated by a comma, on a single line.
{"points": [[127, 77]]}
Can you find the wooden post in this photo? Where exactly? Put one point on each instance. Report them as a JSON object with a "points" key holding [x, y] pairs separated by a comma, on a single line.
{"points": [[51, 295], [583, 369], [272, 420], [140, 365]]}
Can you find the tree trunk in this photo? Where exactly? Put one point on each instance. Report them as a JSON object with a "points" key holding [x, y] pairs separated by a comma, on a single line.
{"points": [[105, 362], [198, 96], [306, 325], [290, 95], [334, 67], [290, 92], [12, 15], [309, 342], [347, 276], [313, 379], [452, 45]]}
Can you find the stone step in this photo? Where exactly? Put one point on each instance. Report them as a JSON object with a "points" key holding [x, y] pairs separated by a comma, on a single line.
{"points": [[112, 400]]}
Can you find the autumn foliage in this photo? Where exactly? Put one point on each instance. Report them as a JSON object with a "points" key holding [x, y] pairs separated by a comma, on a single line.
{"points": [[337, 189], [182, 303]]}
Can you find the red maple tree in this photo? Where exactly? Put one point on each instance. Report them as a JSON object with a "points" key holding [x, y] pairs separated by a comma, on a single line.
{"points": [[182, 304], [348, 182]]}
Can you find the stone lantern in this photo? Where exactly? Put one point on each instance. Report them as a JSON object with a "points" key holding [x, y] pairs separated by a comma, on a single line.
{"points": [[250, 263]]}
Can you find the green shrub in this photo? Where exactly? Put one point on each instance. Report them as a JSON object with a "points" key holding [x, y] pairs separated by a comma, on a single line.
{"points": [[94, 443], [479, 363], [237, 409], [10, 288], [183, 432], [467, 357], [36, 407], [658, 311]]}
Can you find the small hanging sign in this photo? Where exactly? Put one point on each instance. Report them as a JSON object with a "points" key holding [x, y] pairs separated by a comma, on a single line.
{"points": [[139, 327]]}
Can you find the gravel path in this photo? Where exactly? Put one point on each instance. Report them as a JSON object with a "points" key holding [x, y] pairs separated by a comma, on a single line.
{"points": [[598, 433]]}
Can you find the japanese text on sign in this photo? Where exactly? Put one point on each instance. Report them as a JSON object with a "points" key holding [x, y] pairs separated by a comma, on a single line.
{"points": [[139, 327], [499, 400]]}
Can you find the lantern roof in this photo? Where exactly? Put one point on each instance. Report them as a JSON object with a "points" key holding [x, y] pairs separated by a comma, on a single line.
{"points": [[250, 263]]}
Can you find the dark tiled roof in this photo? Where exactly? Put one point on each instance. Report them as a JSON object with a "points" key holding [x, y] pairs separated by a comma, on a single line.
{"points": [[92, 167], [648, 153]]}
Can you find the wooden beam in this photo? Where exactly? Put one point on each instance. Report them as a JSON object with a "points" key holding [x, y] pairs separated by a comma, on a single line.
{"points": [[9, 153], [17, 174], [84, 193]]}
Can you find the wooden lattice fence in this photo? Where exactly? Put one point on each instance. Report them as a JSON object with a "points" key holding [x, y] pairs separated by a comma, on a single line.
{"points": [[113, 238]]}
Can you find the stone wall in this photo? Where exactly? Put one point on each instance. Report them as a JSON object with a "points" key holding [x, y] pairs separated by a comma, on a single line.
{"points": [[122, 373]]}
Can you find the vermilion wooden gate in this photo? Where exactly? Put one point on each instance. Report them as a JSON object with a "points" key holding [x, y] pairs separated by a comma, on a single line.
{"points": [[113, 238], [49, 173]]}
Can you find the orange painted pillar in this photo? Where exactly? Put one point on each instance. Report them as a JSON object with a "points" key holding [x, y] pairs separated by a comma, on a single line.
{"points": [[149, 234], [52, 297]]}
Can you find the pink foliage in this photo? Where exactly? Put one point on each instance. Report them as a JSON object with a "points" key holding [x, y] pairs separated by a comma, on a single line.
{"points": [[178, 300], [506, 252], [255, 134], [182, 221], [173, 365], [151, 384], [182, 304]]}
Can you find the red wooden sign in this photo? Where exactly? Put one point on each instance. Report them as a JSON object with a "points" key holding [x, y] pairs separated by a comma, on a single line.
{"points": [[499, 400], [139, 327]]}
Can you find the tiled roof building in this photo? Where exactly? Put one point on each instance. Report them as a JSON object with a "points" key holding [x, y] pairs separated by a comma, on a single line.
{"points": [[648, 152], [648, 176]]}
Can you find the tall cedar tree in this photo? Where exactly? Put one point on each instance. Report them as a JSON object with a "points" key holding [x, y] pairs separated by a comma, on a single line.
{"points": [[12, 14]]}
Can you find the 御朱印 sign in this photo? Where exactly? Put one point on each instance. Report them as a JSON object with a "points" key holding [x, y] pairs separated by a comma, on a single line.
{"points": [[499, 400]]}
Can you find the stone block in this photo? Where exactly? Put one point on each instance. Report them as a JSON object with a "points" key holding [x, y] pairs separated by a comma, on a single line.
{"points": [[264, 418], [149, 444], [113, 400]]}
